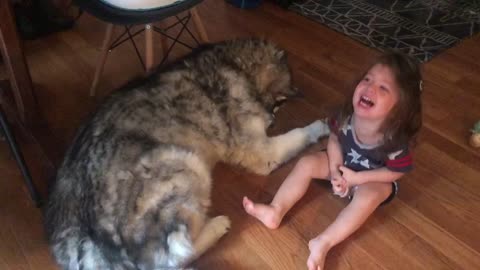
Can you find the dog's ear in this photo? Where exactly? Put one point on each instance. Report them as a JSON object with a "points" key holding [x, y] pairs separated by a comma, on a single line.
{"points": [[281, 89], [279, 84], [274, 80]]}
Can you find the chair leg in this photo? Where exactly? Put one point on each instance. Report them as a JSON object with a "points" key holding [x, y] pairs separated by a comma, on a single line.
{"points": [[149, 50], [102, 59], [199, 25], [16, 66], [164, 44], [20, 160], [149, 57]]}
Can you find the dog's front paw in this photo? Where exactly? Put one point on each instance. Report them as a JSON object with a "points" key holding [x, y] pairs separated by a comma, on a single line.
{"points": [[316, 130]]}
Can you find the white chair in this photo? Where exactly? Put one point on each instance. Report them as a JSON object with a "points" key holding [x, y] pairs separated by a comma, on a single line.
{"points": [[130, 12]]}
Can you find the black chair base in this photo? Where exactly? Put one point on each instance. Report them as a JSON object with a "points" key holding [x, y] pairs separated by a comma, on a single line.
{"points": [[115, 16], [127, 35], [17, 154]]}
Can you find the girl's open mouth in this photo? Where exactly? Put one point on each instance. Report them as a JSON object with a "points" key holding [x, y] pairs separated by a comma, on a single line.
{"points": [[365, 101]]}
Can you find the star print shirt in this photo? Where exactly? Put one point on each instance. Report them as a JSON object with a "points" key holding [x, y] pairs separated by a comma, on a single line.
{"points": [[361, 157]]}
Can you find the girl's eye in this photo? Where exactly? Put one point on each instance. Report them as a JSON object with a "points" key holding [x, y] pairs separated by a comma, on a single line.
{"points": [[366, 79], [383, 88]]}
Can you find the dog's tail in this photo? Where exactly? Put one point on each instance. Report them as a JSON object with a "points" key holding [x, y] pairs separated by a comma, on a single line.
{"points": [[159, 238], [73, 248], [69, 240]]}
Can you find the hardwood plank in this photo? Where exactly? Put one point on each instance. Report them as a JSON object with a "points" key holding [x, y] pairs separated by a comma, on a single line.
{"points": [[443, 241], [445, 166], [432, 224]]}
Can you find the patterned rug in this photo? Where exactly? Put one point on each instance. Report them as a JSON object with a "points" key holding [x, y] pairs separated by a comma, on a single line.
{"points": [[422, 28]]}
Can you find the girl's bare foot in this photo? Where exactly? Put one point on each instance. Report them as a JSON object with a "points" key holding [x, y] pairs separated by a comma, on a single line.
{"points": [[318, 251], [267, 214]]}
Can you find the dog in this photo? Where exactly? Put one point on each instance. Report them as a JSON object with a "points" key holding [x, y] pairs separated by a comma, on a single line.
{"points": [[134, 187]]}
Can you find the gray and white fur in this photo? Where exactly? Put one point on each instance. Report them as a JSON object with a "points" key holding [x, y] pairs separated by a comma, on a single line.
{"points": [[134, 188]]}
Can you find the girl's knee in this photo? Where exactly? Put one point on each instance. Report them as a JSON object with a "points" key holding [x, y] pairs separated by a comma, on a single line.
{"points": [[316, 164], [307, 162], [373, 193]]}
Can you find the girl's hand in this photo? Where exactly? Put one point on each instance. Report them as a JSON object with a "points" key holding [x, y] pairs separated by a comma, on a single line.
{"points": [[350, 176], [335, 174], [339, 186]]}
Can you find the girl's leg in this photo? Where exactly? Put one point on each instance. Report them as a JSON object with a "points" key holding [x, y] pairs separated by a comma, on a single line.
{"points": [[291, 190], [366, 199]]}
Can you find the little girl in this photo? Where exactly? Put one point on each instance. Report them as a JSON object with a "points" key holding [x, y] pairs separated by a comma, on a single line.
{"points": [[367, 151]]}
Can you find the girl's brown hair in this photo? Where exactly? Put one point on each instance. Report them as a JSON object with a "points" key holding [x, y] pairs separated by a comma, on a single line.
{"points": [[405, 119]]}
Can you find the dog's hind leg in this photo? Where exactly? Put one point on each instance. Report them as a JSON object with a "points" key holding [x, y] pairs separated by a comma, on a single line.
{"points": [[268, 153], [211, 232]]}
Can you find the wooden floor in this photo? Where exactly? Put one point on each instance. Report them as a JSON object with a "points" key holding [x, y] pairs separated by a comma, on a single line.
{"points": [[434, 223]]}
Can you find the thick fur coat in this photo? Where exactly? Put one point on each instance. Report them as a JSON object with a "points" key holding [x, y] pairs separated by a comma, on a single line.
{"points": [[134, 188]]}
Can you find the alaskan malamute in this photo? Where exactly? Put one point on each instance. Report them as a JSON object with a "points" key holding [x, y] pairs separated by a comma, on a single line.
{"points": [[134, 188]]}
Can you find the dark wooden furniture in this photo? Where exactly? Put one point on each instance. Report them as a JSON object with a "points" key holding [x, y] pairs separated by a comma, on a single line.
{"points": [[14, 61], [17, 154], [18, 104]]}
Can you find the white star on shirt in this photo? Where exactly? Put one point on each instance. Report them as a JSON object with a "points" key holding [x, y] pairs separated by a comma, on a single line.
{"points": [[355, 156], [365, 164], [345, 129]]}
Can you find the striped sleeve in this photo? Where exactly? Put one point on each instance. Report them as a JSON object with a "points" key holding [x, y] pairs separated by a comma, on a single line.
{"points": [[333, 125], [400, 161]]}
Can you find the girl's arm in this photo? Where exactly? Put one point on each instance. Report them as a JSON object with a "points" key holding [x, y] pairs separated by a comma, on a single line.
{"points": [[335, 160], [377, 175], [334, 153]]}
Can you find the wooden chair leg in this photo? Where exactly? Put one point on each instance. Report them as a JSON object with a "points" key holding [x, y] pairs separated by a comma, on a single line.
{"points": [[199, 25], [102, 59], [149, 47], [17, 154], [16, 66], [164, 44]]}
